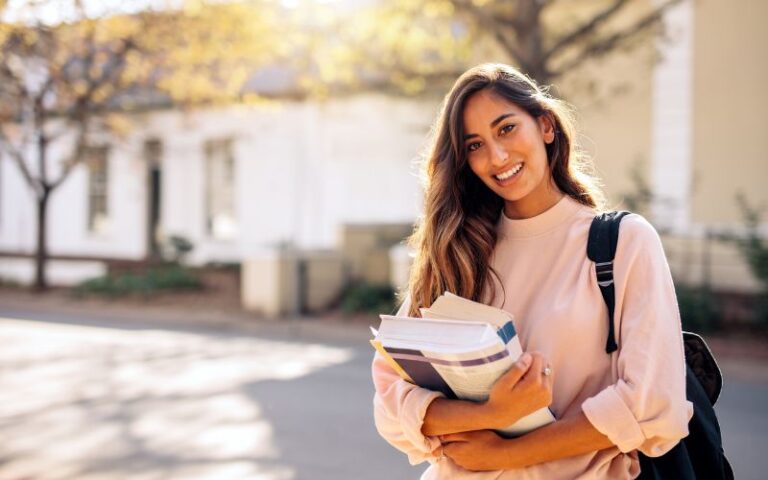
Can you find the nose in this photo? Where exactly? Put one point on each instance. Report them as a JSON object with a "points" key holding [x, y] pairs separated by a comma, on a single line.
{"points": [[499, 154]]}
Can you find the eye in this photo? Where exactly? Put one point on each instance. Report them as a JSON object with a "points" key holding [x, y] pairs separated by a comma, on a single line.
{"points": [[507, 128], [473, 146]]}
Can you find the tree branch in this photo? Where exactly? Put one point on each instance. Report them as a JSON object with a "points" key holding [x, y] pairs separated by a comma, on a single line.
{"points": [[585, 29], [109, 73], [13, 79], [608, 44], [16, 155], [75, 157], [495, 25]]}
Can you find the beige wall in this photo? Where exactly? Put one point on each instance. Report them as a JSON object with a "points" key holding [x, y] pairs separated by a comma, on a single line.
{"points": [[615, 115], [616, 124], [730, 125], [714, 263]]}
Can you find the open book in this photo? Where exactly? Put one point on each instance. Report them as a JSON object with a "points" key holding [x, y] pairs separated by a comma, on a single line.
{"points": [[458, 347]]}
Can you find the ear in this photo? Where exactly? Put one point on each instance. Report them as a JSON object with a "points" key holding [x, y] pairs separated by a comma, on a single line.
{"points": [[547, 126]]}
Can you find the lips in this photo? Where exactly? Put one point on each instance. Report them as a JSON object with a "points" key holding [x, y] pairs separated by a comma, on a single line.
{"points": [[510, 175]]}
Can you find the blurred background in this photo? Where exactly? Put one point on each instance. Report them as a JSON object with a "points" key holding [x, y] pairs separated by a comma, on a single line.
{"points": [[204, 205]]}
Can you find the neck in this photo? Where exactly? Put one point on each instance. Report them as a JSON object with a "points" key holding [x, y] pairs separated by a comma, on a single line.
{"points": [[528, 207]]}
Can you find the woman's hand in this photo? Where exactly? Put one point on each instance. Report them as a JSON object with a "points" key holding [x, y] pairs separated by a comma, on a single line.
{"points": [[519, 392], [477, 450]]}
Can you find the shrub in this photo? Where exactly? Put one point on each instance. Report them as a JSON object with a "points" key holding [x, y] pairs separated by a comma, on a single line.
{"points": [[153, 279], [698, 309], [364, 297], [754, 250]]}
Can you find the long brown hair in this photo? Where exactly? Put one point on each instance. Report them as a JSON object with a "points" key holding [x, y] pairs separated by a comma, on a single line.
{"points": [[456, 235]]}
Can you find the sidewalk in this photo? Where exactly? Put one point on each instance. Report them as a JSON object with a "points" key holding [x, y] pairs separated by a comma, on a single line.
{"points": [[181, 311], [740, 358]]}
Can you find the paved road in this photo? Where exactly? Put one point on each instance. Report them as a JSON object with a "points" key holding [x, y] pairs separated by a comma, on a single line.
{"points": [[91, 398]]}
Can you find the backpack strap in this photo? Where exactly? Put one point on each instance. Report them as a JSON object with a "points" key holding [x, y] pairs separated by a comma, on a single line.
{"points": [[700, 454], [601, 249]]}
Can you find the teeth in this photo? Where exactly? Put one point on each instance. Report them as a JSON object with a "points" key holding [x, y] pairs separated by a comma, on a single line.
{"points": [[510, 172]]}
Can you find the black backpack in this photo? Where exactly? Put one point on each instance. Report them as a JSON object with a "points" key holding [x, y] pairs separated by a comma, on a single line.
{"points": [[699, 455]]}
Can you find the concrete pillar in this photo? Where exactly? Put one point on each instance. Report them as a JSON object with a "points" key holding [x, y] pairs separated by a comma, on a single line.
{"points": [[270, 283]]}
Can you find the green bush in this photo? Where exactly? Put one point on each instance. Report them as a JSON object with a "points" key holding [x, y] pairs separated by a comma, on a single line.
{"points": [[363, 297], [698, 309], [754, 249], [151, 280]]}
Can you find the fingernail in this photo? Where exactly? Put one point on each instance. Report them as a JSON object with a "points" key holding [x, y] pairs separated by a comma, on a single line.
{"points": [[525, 359]]}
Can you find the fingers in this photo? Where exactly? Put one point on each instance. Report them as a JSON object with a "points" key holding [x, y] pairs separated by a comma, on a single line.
{"points": [[449, 450], [537, 365], [453, 437], [517, 371], [438, 452], [535, 383], [549, 379], [524, 362]]}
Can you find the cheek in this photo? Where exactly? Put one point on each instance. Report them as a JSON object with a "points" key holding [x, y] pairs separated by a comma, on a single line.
{"points": [[537, 155], [475, 165]]}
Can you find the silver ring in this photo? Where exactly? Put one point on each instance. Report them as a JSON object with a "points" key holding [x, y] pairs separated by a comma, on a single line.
{"points": [[547, 371]]}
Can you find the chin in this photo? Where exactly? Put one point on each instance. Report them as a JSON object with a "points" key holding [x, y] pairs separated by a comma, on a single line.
{"points": [[513, 196]]}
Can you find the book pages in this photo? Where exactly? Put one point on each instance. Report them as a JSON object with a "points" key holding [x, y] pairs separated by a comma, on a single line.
{"points": [[473, 382], [453, 306]]}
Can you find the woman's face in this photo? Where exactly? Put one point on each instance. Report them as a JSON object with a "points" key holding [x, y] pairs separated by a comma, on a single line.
{"points": [[505, 148]]}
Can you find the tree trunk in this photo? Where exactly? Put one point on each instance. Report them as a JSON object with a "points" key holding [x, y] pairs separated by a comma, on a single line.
{"points": [[530, 42], [41, 255]]}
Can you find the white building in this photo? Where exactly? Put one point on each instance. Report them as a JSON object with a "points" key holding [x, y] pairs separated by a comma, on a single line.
{"points": [[234, 181]]}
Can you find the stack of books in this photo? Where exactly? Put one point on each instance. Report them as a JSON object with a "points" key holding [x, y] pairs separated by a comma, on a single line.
{"points": [[458, 347]]}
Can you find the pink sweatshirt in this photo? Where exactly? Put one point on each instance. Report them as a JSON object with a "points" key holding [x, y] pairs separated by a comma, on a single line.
{"points": [[635, 396]]}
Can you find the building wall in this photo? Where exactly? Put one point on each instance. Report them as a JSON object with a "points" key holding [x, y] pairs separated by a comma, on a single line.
{"points": [[616, 125], [670, 178], [611, 97], [730, 146], [68, 232], [301, 170]]}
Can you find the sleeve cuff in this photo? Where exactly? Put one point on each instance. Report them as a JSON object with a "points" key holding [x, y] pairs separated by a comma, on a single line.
{"points": [[413, 411], [608, 413]]}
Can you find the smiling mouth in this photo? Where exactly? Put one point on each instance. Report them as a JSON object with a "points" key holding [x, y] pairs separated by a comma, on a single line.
{"points": [[509, 175]]}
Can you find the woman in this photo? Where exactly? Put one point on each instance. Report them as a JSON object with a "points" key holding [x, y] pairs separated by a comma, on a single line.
{"points": [[507, 213]]}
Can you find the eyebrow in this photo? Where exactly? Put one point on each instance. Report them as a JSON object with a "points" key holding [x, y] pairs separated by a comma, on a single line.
{"points": [[493, 124]]}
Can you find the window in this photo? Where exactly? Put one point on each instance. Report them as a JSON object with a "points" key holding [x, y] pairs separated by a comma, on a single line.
{"points": [[220, 189], [153, 154], [98, 181]]}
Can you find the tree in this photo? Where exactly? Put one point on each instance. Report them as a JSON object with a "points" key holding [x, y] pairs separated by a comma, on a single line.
{"points": [[754, 249], [546, 51], [62, 82], [418, 42]]}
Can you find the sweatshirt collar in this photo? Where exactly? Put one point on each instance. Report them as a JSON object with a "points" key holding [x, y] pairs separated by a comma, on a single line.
{"points": [[541, 223]]}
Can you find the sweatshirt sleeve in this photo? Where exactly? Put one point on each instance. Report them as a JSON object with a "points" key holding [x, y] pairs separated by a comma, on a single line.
{"points": [[646, 409], [399, 408]]}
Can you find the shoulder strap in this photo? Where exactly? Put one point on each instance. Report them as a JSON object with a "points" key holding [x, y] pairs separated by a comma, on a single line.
{"points": [[601, 249]]}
